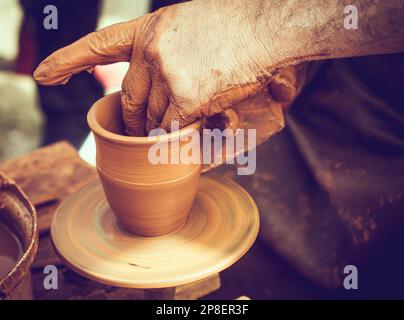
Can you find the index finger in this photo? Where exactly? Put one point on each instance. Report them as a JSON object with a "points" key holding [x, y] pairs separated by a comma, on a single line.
{"points": [[108, 45]]}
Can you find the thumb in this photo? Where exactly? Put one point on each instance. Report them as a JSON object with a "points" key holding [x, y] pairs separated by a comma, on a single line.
{"points": [[283, 85], [108, 45]]}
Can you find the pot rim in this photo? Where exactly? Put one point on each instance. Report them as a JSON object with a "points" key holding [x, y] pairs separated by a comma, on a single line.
{"points": [[98, 130]]}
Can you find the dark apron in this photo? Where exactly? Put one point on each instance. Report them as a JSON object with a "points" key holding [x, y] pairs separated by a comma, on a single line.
{"points": [[330, 186]]}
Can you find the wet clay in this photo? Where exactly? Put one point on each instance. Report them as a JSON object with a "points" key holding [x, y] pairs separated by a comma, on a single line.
{"points": [[222, 225], [10, 249], [148, 199]]}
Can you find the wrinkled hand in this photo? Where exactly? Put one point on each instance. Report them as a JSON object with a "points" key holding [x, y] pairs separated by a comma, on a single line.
{"points": [[187, 61]]}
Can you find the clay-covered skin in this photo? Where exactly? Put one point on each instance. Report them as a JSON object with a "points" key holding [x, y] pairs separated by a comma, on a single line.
{"points": [[148, 199], [199, 58], [178, 71]]}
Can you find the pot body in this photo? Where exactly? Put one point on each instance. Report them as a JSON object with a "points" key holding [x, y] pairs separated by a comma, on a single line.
{"points": [[149, 197]]}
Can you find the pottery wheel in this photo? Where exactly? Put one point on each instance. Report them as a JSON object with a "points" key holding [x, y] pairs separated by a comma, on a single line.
{"points": [[222, 225]]}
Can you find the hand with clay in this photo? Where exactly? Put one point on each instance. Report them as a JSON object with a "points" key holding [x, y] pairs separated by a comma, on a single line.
{"points": [[199, 58], [187, 61]]}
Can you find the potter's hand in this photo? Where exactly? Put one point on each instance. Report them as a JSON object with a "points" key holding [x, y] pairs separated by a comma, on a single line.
{"points": [[186, 61], [198, 58]]}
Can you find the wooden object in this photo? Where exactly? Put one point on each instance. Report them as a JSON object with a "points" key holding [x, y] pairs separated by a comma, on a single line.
{"points": [[47, 176]]}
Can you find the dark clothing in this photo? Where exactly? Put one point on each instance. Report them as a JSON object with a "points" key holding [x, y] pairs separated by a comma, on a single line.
{"points": [[332, 181], [65, 106]]}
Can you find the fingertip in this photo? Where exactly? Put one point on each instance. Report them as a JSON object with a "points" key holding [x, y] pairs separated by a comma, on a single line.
{"points": [[283, 87], [282, 92], [175, 118], [47, 73], [133, 117], [151, 122], [41, 72]]}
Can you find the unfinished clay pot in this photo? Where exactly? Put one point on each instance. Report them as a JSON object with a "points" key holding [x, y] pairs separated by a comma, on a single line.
{"points": [[148, 199], [19, 241]]}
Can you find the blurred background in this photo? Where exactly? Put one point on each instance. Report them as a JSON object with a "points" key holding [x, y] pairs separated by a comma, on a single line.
{"points": [[31, 116]]}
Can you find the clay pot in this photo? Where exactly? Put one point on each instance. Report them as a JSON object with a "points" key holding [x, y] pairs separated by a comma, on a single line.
{"points": [[19, 216], [147, 199]]}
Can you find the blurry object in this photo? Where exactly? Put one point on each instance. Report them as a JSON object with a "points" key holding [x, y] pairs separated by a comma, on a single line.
{"points": [[26, 58], [48, 175], [110, 76], [113, 11], [10, 19], [6, 65], [157, 4], [10, 247], [65, 106], [20, 118], [87, 150], [19, 215]]}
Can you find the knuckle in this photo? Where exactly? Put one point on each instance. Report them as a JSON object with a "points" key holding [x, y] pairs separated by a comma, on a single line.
{"points": [[129, 106]]}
